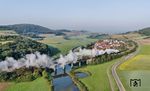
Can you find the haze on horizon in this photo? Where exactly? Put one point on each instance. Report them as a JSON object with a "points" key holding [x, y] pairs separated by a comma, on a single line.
{"points": [[110, 16]]}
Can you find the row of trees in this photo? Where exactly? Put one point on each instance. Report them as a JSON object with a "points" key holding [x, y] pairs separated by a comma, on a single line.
{"points": [[8, 38], [24, 74]]}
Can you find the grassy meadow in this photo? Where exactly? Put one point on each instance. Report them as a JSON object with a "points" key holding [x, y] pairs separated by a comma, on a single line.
{"points": [[64, 45], [40, 84], [137, 67], [99, 81]]}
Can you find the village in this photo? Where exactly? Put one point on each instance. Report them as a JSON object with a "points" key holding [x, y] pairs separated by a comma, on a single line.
{"points": [[108, 44]]}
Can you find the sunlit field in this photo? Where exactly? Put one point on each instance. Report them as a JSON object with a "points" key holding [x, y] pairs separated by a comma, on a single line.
{"points": [[40, 84], [8, 32], [137, 67], [137, 63], [64, 45], [98, 81]]}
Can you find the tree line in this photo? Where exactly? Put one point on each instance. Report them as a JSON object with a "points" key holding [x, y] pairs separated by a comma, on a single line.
{"points": [[25, 74], [108, 57]]}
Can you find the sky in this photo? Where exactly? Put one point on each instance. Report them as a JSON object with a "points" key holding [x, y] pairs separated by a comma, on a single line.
{"points": [[106, 16]]}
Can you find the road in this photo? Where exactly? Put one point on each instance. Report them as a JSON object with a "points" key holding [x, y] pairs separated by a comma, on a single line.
{"points": [[114, 73]]}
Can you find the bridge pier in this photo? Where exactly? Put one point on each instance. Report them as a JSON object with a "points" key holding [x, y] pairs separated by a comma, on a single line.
{"points": [[55, 71], [64, 69], [72, 65], [79, 64]]}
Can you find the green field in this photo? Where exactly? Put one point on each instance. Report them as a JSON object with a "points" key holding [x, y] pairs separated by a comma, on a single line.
{"points": [[145, 50], [98, 81], [125, 77], [40, 84], [137, 68], [65, 45]]}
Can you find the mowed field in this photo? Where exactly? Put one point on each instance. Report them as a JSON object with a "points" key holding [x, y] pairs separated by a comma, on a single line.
{"points": [[98, 81], [137, 67], [40, 84], [133, 36], [64, 45]]}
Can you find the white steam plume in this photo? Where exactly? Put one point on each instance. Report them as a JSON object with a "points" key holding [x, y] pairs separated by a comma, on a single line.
{"points": [[43, 60]]}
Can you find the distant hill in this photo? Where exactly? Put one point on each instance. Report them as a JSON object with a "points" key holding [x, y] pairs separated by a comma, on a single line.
{"points": [[98, 36], [31, 29], [145, 31]]}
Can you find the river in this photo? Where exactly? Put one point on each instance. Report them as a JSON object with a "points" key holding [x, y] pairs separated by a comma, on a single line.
{"points": [[65, 83]]}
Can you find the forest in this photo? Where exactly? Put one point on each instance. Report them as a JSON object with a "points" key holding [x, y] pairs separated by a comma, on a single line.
{"points": [[22, 46]]}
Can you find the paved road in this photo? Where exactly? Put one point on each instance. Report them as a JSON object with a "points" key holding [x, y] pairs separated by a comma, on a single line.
{"points": [[114, 73], [110, 80], [116, 77]]}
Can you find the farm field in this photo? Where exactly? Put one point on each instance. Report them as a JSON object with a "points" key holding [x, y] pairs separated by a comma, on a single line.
{"points": [[64, 45], [8, 32], [125, 77], [133, 36], [98, 81], [40, 84], [137, 67], [4, 42], [145, 41]]}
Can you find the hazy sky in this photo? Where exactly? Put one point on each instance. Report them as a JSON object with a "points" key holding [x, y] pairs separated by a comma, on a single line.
{"points": [[93, 15]]}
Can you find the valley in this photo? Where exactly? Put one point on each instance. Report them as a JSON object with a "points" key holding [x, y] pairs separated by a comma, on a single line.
{"points": [[94, 54]]}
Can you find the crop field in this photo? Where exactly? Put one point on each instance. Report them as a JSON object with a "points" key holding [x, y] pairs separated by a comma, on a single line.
{"points": [[117, 36], [7, 32], [98, 81], [145, 41], [4, 42], [137, 67], [136, 74], [137, 63], [134, 36], [39, 84], [64, 45]]}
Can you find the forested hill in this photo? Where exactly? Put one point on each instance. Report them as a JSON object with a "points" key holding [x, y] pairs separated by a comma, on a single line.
{"points": [[22, 46], [145, 31], [30, 29]]}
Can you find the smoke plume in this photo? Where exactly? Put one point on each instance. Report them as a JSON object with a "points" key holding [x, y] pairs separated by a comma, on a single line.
{"points": [[42, 60]]}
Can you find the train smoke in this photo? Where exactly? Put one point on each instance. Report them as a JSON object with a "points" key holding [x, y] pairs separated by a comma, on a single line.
{"points": [[42, 60]]}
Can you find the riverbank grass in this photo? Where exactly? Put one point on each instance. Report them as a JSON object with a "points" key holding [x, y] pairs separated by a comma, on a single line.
{"points": [[98, 81], [40, 84]]}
